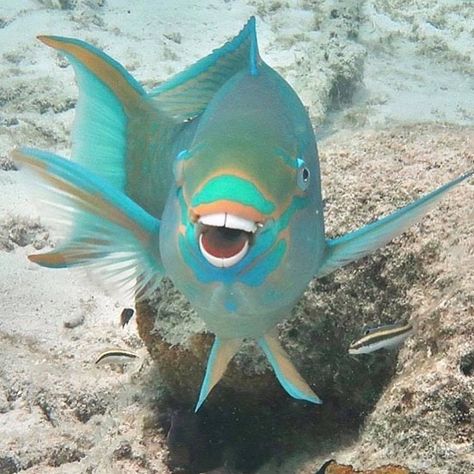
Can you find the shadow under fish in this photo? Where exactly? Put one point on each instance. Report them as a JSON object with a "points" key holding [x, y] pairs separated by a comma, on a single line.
{"points": [[192, 448]]}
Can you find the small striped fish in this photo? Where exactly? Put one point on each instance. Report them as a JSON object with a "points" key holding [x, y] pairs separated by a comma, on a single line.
{"points": [[381, 337], [115, 355]]}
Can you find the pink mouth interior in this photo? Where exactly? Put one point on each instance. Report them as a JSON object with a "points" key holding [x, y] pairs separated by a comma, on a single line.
{"points": [[222, 242]]}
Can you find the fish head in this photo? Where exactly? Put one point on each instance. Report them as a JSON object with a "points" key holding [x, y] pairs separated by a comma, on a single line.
{"points": [[243, 217], [236, 194]]}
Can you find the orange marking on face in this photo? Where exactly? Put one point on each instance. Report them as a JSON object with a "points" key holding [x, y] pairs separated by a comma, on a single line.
{"points": [[102, 69], [226, 172], [280, 206]]}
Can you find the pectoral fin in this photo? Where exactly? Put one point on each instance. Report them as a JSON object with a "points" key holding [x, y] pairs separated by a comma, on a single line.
{"points": [[285, 371], [364, 241], [221, 354], [107, 230]]}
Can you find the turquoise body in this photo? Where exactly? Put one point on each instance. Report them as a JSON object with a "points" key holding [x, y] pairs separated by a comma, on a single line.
{"points": [[261, 117], [211, 179]]}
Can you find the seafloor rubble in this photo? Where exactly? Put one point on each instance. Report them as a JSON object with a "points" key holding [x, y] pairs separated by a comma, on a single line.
{"points": [[332, 467]]}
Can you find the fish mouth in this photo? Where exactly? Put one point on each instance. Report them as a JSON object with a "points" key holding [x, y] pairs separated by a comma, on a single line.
{"points": [[224, 238]]}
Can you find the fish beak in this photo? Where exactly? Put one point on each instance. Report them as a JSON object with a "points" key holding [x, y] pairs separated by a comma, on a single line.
{"points": [[224, 238]]}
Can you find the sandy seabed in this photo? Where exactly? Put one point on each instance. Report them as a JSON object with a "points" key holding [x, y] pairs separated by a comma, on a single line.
{"points": [[389, 88]]}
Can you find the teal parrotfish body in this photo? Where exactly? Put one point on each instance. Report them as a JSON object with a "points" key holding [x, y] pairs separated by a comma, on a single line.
{"points": [[211, 179]]}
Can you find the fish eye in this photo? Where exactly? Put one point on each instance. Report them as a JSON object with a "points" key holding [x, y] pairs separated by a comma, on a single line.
{"points": [[367, 329], [304, 175]]}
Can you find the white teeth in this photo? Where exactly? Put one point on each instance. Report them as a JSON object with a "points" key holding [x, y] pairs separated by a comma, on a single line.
{"points": [[216, 220], [223, 262], [235, 222], [230, 221]]}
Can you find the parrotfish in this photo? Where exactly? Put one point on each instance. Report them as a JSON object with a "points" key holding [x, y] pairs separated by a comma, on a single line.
{"points": [[211, 179], [388, 336]]}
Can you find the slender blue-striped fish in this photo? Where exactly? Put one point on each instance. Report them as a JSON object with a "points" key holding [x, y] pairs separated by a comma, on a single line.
{"points": [[115, 355], [388, 336]]}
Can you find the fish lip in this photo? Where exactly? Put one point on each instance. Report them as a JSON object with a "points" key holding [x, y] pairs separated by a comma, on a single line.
{"points": [[354, 350], [223, 262], [213, 225]]}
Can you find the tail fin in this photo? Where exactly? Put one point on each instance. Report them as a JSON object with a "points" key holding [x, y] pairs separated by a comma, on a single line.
{"points": [[112, 234], [119, 133], [285, 371], [364, 241]]}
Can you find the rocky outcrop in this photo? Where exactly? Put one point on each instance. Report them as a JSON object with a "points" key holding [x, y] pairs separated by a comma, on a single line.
{"points": [[420, 277]]}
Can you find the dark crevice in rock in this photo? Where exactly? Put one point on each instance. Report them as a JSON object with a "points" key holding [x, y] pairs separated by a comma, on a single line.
{"points": [[466, 364]]}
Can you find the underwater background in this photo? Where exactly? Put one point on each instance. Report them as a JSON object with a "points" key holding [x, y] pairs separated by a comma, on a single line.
{"points": [[389, 86]]}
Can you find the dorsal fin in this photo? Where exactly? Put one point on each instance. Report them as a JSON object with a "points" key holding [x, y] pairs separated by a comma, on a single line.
{"points": [[254, 57], [187, 94]]}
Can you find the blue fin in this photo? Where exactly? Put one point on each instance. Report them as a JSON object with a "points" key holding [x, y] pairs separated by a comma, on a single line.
{"points": [[99, 138], [110, 232], [221, 354], [285, 371], [187, 94], [119, 133], [365, 240]]}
